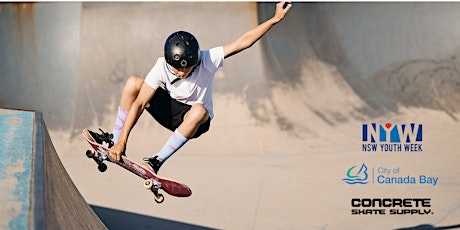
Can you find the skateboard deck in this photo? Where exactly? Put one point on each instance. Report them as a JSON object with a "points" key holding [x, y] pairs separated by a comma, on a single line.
{"points": [[153, 182]]}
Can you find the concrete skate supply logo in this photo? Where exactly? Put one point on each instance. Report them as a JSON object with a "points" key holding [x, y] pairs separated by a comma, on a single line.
{"points": [[355, 176], [392, 137], [383, 175], [391, 206]]}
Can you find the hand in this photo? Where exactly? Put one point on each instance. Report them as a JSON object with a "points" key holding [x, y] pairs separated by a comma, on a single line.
{"points": [[281, 10], [117, 151]]}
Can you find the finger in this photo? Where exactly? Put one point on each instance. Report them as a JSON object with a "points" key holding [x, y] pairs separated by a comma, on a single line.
{"points": [[280, 5], [113, 155], [286, 4], [284, 7]]}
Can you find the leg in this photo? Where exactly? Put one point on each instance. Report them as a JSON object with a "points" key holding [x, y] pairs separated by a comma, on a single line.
{"points": [[195, 117], [130, 91], [129, 94]]}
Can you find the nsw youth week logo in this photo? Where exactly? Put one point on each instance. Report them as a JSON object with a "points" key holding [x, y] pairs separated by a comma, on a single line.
{"points": [[392, 137]]}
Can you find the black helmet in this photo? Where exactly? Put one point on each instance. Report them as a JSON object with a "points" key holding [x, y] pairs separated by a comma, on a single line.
{"points": [[182, 50]]}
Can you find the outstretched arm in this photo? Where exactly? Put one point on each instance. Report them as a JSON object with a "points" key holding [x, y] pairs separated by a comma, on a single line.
{"points": [[252, 36]]}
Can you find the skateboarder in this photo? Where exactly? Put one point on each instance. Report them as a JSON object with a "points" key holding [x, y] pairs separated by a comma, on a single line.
{"points": [[177, 91]]}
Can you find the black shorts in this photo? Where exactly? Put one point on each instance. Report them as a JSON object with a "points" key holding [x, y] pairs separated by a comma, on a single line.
{"points": [[170, 112]]}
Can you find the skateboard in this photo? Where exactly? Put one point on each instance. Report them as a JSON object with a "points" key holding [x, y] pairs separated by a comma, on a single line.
{"points": [[153, 182]]}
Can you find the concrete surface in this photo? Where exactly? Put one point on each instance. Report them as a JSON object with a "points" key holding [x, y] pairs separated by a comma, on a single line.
{"points": [[289, 111], [36, 191], [16, 146]]}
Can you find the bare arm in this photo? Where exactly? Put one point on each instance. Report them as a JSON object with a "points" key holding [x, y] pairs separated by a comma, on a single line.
{"points": [[145, 94], [252, 36]]}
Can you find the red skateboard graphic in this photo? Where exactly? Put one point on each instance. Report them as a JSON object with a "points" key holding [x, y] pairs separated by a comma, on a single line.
{"points": [[152, 182]]}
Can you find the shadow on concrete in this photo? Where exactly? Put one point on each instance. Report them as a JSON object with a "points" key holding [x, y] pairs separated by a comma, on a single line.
{"points": [[430, 227], [117, 219]]}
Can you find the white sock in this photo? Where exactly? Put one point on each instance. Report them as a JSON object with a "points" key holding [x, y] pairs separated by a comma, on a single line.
{"points": [[174, 143], [121, 118]]}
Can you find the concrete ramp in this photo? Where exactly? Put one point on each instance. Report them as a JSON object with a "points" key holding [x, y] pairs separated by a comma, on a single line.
{"points": [[36, 191]]}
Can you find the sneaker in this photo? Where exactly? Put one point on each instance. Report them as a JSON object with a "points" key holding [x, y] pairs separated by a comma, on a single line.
{"points": [[154, 163], [104, 138]]}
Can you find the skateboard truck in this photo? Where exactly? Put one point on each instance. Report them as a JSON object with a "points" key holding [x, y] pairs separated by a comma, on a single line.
{"points": [[101, 166], [154, 186]]}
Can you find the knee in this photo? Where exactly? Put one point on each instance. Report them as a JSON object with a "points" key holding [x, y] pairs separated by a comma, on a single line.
{"points": [[198, 114], [134, 84]]}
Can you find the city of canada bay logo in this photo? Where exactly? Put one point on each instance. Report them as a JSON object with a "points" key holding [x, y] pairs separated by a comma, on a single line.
{"points": [[357, 175], [392, 137], [389, 175]]}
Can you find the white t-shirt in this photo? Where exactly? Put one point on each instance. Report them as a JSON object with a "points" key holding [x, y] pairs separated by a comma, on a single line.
{"points": [[196, 88]]}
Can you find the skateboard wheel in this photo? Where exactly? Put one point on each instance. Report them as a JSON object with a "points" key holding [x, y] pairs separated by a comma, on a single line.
{"points": [[159, 198], [148, 184], [102, 167], [90, 153]]}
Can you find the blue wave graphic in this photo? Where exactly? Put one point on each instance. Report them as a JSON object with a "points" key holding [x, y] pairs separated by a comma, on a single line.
{"points": [[355, 181], [358, 178]]}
